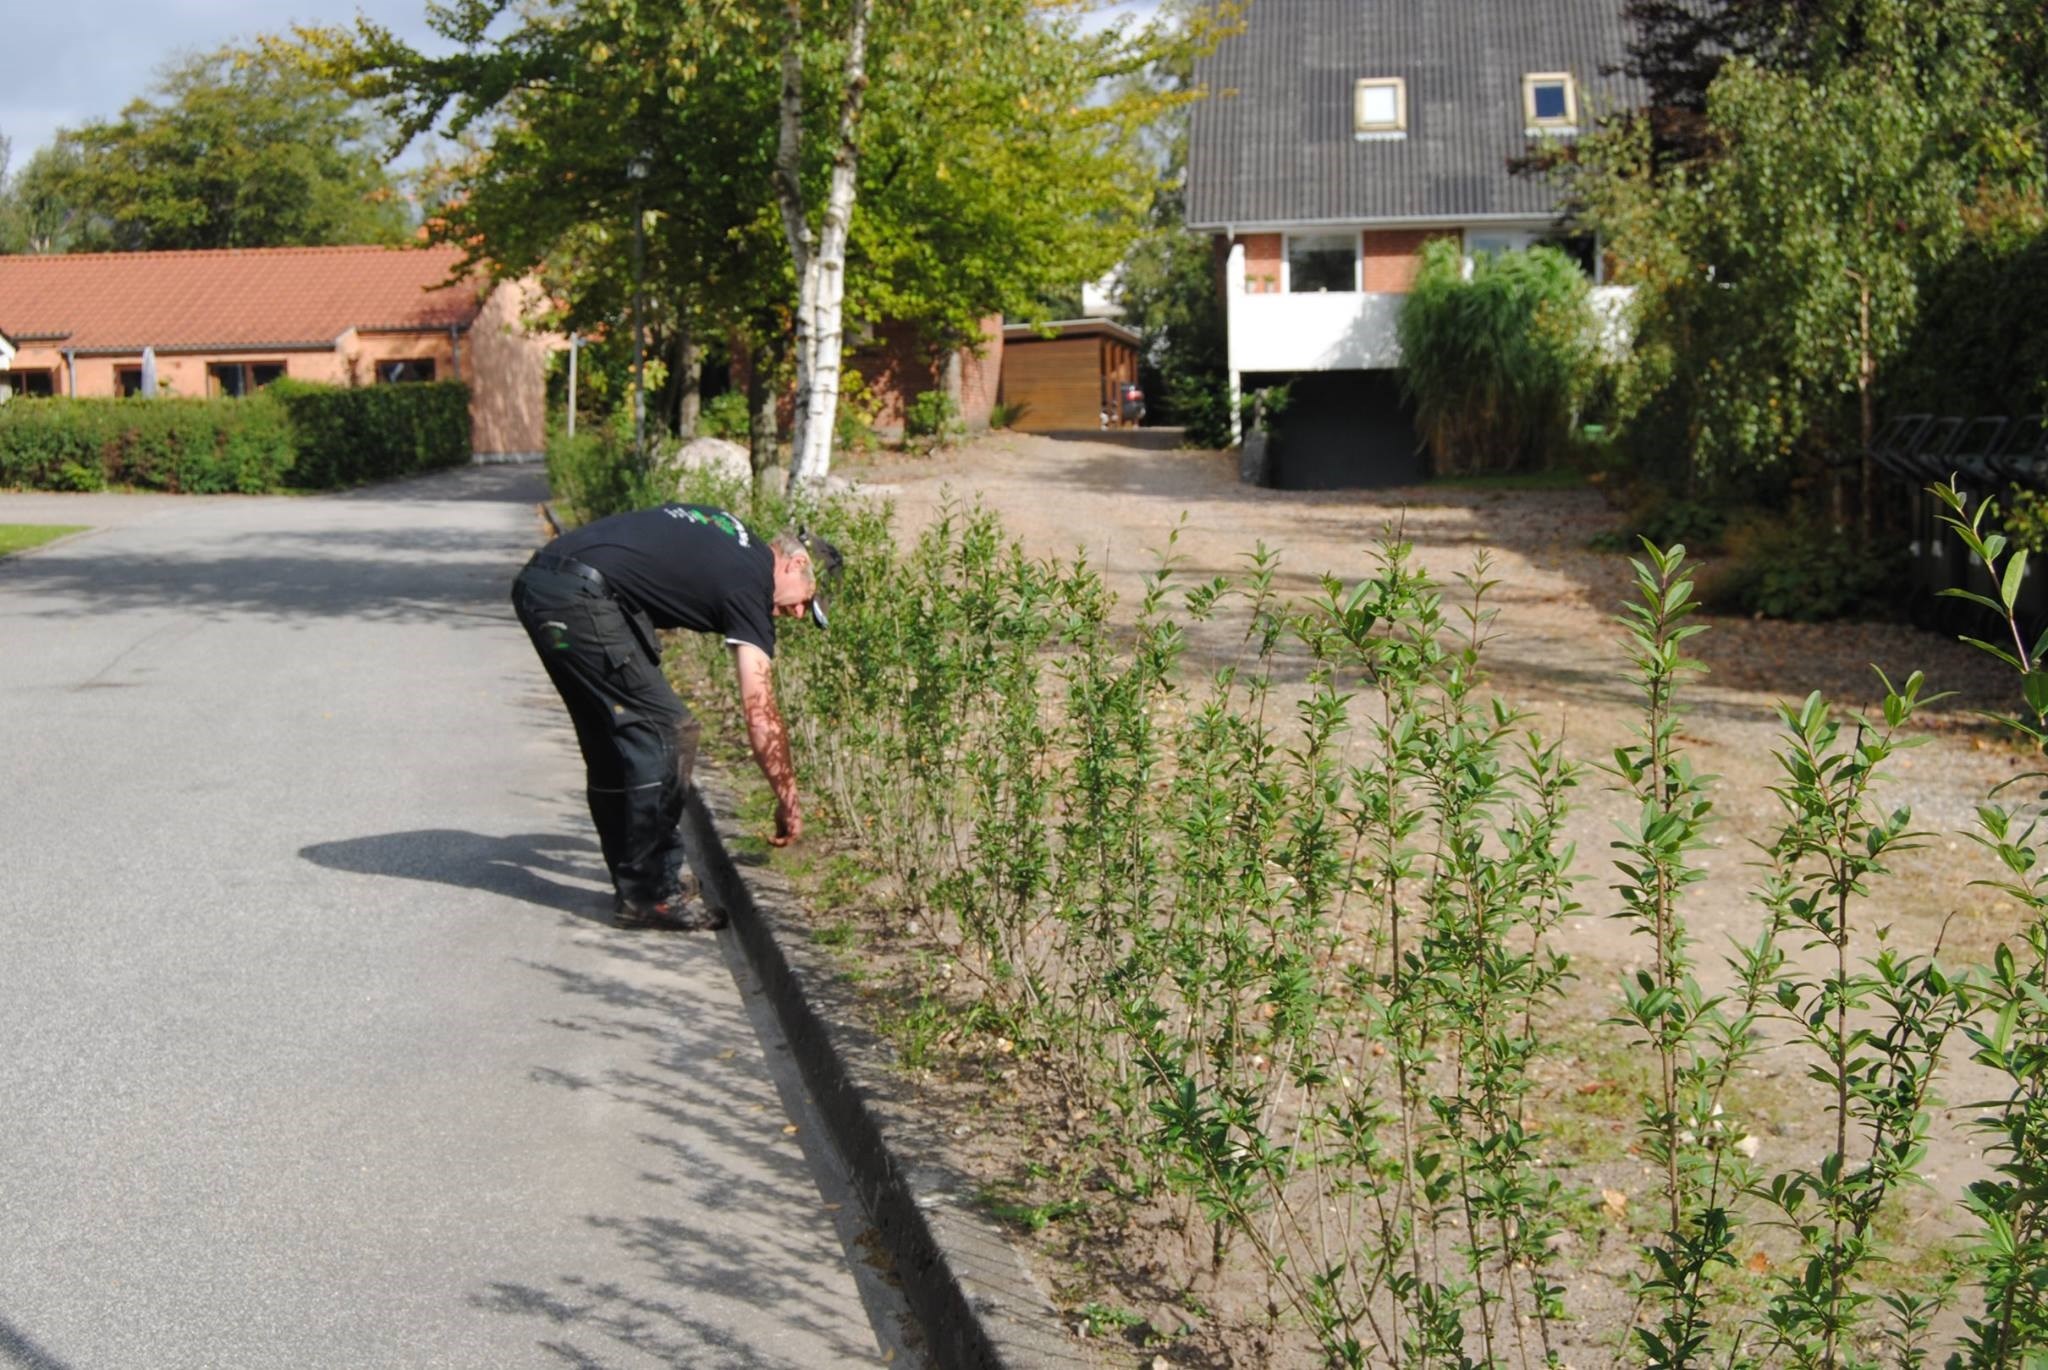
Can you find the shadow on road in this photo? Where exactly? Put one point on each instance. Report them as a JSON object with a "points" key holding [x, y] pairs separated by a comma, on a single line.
{"points": [[17, 1350], [520, 867], [295, 560], [734, 1258], [1139, 439], [383, 576], [509, 483]]}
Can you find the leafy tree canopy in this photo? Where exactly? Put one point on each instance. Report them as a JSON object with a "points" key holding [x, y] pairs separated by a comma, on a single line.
{"points": [[1779, 274], [996, 152], [234, 148]]}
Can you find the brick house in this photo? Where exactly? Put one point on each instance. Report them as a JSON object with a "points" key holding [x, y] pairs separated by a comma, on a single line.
{"points": [[224, 323], [896, 366], [1344, 134]]}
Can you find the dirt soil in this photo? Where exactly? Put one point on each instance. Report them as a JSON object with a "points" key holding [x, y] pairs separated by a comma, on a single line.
{"points": [[1118, 495]]}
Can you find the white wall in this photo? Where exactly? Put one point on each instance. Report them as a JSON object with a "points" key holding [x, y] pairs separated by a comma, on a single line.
{"points": [[1355, 331], [1347, 331]]}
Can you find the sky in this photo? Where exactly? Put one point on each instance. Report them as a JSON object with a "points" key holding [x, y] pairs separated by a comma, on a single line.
{"points": [[57, 72]]}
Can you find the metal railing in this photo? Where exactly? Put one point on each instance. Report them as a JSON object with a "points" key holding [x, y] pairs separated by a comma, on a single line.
{"points": [[1985, 456]]}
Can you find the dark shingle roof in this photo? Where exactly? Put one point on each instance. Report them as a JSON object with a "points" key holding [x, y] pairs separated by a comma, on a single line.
{"points": [[1273, 143]]}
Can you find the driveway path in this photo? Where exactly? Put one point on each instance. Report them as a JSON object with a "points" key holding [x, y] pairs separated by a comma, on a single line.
{"points": [[316, 1045]]}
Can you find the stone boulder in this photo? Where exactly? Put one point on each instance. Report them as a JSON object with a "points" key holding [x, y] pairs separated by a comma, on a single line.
{"points": [[717, 455]]}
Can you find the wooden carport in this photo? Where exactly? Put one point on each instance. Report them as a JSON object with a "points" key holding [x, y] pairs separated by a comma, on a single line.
{"points": [[1066, 375]]}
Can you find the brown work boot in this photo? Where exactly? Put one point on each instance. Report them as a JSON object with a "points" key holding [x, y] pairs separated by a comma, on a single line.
{"points": [[683, 910]]}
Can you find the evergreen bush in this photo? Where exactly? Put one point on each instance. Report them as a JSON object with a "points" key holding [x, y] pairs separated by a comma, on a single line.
{"points": [[347, 436], [184, 445], [725, 416], [292, 434]]}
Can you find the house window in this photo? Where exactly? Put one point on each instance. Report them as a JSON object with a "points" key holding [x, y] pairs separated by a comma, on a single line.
{"points": [[128, 381], [1550, 102], [1582, 248], [1321, 262], [1379, 107], [236, 379], [1478, 240], [405, 370], [29, 385]]}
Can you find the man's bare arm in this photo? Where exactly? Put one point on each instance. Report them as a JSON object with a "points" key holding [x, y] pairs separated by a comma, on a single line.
{"points": [[768, 738]]}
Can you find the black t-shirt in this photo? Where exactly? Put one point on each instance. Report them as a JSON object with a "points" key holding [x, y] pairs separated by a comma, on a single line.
{"points": [[687, 565]]}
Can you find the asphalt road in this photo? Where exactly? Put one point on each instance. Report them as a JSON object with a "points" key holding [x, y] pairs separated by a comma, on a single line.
{"points": [[317, 1047]]}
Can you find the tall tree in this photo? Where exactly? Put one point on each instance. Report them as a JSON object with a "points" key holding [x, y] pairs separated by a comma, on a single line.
{"points": [[234, 148], [920, 163], [1778, 272], [36, 213], [1168, 282]]}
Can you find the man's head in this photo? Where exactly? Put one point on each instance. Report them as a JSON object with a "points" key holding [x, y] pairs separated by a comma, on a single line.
{"points": [[802, 560]]}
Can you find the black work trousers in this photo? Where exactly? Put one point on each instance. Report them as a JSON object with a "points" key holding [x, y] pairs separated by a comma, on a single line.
{"points": [[638, 739]]}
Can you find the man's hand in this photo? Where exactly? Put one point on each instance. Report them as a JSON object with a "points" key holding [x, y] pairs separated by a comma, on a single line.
{"points": [[768, 739], [789, 823]]}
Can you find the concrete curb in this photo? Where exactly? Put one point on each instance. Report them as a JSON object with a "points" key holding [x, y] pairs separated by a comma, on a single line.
{"points": [[976, 1300]]}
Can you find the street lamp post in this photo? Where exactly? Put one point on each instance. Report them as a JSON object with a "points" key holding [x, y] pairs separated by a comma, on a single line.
{"points": [[575, 345], [636, 172]]}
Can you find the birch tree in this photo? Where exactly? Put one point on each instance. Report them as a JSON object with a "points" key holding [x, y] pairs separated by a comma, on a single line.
{"points": [[912, 163], [819, 257]]}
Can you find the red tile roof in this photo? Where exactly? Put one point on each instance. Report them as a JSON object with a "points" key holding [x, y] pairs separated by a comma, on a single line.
{"points": [[233, 298]]}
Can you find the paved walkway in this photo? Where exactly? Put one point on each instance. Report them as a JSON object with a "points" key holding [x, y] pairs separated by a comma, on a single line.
{"points": [[316, 1045]]}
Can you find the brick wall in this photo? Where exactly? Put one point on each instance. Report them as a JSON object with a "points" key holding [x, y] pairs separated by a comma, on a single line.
{"points": [[1261, 263], [1390, 261], [506, 366], [981, 374], [898, 366]]}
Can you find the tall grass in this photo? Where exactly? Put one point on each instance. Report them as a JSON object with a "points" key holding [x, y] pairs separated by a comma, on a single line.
{"points": [[1499, 361]]}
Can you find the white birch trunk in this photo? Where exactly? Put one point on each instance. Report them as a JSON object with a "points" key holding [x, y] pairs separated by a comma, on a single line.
{"points": [[822, 293], [796, 221]]}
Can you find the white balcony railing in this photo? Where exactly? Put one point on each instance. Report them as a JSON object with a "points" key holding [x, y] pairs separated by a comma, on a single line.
{"points": [[1351, 330], [1348, 331]]}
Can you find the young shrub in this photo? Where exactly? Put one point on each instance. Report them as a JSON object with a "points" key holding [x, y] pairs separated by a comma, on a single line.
{"points": [[1698, 1041], [932, 420], [1872, 1029], [2010, 1256], [725, 415], [1788, 568]]}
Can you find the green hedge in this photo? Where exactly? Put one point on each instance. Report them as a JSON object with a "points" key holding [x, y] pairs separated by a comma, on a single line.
{"points": [[373, 432], [291, 435], [198, 446]]}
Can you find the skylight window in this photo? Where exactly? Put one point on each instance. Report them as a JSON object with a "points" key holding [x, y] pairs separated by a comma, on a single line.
{"points": [[1550, 102], [1379, 107]]}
